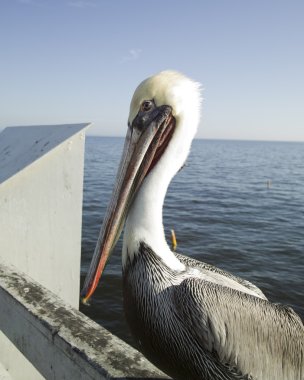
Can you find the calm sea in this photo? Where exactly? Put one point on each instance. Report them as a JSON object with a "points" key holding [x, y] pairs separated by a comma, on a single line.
{"points": [[238, 205]]}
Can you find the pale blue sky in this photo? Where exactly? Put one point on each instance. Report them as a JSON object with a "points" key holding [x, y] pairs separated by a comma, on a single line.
{"points": [[73, 61]]}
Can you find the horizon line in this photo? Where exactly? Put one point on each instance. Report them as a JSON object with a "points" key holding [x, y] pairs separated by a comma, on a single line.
{"points": [[216, 139], [195, 138]]}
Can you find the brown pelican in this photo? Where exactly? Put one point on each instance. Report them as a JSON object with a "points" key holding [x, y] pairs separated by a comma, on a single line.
{"points": [[192, 320]]}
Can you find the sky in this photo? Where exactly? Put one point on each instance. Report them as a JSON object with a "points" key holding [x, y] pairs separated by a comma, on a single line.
{"points": [[72, 61]]}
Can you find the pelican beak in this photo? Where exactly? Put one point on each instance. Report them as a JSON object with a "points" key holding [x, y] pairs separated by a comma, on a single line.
{"points": [[146, 140]]}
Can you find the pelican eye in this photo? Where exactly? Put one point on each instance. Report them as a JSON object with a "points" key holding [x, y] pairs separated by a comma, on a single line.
{"points": [[146, 105]]}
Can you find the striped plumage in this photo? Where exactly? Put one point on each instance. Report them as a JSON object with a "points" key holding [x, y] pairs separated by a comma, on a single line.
{"points": [[194, 321], [197, 330]]}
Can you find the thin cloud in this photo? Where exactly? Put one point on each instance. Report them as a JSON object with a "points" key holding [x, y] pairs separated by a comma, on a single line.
{"points": [[133, 55]]}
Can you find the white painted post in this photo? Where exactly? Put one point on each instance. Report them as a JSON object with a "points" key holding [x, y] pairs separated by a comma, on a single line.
{"points": [[41, 183]]}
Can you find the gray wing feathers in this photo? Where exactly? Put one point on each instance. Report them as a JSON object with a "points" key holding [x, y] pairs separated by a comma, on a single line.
{"points": [[199, 264], [250, 335]]}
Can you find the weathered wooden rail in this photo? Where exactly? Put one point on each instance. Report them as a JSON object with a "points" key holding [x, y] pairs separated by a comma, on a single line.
{"points": [[58, 340]]}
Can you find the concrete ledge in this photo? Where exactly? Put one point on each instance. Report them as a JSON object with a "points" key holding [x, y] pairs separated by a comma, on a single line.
{"points": [[4, 375], [60, 341]]}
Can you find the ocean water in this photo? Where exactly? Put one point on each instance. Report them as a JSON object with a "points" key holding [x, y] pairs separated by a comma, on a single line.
{"points": [[238, 205]]}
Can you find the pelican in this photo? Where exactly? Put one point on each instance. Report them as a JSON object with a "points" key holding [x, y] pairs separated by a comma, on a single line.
{"points": [[192, 320]]}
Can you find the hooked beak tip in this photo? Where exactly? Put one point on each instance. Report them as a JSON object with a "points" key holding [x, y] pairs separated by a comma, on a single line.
{"points": [[85, 300], [85, 295]]}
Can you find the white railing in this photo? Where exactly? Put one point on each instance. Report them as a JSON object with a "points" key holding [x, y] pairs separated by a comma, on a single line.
{"points": [[59, 341], [42, 333]]}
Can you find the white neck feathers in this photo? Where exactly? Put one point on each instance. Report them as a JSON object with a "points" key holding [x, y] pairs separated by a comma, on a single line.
{"points": [[144, 221]]}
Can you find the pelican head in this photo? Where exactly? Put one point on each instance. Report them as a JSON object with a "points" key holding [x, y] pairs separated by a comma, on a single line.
{"points": [[163, 119]]}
